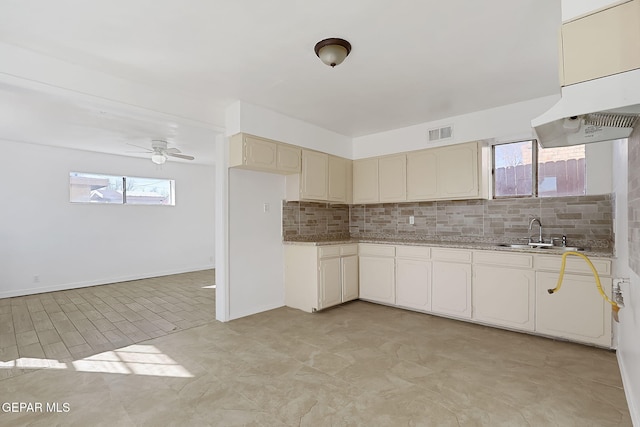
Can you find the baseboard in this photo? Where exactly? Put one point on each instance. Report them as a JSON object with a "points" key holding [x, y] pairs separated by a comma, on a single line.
{"points": [[101, 281], [632, 400], [261, 309]]}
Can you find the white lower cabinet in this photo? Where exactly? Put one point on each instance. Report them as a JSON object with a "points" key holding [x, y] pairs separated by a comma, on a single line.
{"points": [[451, 289], [350, 281], [377, 273], [330, 284], [413, 278], [577, 311], [504, 296], [318, 277]]}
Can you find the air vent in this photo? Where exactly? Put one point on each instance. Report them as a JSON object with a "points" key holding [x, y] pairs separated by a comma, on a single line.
{"points": [[611, 120], [445, 132]]}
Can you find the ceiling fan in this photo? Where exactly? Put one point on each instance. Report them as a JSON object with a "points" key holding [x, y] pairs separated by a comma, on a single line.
{"points": [[160, 152]]}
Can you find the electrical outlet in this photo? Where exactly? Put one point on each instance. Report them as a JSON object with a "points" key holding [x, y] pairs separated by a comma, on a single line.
{"points": [[36, 279], [412, 219], [265, 207]]}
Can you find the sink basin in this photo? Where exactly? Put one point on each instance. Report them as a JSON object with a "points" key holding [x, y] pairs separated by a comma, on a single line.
{"points": [[566, 248], [557, 248], [514, 246]]}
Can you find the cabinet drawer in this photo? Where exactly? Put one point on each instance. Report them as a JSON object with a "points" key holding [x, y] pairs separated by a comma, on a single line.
{"points": [[329, 251], [574, 265], [457, 255], [419, 252], [349, 250], [502, 258], [377, 250]]}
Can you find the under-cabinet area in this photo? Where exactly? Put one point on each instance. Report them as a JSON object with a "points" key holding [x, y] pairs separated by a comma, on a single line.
{"points": [[496, 288]]}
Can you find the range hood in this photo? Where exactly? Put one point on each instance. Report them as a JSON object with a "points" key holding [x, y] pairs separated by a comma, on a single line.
{"points": [[597, 110]]}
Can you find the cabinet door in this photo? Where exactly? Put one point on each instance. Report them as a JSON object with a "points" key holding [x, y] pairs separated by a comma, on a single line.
{"points": [[392, 178], [365, 181], [349, 278], [330, 286], [451, 289], [377, 279], [504, 296], [458, 171], [260, 153], [413, 284], [422, 173], [338, 169], [577, 311], [314, 175], [288, 159], [613, 33]]}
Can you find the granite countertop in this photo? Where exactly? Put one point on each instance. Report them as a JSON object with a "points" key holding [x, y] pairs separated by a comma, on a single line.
{"points": [[493, 246]]}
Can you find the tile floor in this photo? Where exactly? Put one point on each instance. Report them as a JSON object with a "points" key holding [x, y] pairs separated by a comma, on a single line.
{"points": [[357, 364], [73, 324]]}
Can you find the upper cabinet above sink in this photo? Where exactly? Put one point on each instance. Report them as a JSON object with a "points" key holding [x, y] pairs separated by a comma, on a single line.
{"points": [[445, 173]]}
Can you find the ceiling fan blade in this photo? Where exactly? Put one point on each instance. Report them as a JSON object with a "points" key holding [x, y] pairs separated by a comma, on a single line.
{"points": [[172, 150], [140, 152], [144, 148], [181, 156]]}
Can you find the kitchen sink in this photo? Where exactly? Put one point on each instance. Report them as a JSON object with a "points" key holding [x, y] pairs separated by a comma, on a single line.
{"points": [[514, 246], [558, 248]]}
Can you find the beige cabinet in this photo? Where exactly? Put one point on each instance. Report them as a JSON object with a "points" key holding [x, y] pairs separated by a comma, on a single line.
{"points": [[330, 283], [577, 312], [377, 273], [365, 181], [261, 154], [413, 278], [350, 277], [324, 178], [315, 168], [458, 171], [601, 44], [392, 178], [451, 282], [422, 175], [288, 158], [339, 179], [318, 277]]}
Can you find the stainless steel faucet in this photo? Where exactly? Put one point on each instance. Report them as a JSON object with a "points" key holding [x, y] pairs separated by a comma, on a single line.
{"points": [[531, 226]]}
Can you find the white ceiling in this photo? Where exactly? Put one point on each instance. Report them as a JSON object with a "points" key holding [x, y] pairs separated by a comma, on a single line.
{"points": [[412, 62]]}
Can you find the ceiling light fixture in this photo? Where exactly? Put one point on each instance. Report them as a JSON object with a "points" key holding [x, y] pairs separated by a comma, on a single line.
{"points": [[332, 51], [158, 158]]}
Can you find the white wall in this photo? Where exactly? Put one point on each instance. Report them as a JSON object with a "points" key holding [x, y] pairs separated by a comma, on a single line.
{"points": [[73, 245], [256, 256], [504, 124], [243, 117], [628, 330]]}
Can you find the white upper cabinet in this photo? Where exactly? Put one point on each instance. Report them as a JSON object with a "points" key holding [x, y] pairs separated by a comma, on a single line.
{"points": [[261, 154], [392, 178], [365, 181], [339, 179], [458, 171], [314, 180], [422, 175], [601, 44]]}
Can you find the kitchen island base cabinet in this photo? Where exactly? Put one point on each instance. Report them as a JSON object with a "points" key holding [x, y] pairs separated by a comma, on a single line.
{"points": [[504, 296], [577, 311]]}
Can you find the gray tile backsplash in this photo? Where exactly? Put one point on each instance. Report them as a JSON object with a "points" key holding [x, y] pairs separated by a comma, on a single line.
{"points": [[585, 220]]}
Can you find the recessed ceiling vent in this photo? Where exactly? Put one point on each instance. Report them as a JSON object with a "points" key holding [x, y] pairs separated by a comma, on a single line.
{"points": [[438, 134]]}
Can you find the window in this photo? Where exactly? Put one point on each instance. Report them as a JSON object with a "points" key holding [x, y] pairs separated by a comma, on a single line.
{"points": [[110, 189], [558, 172]]}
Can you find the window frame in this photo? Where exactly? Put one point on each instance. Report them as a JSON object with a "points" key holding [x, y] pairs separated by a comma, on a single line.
{"points": [[535, 149], [171, 197]]}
